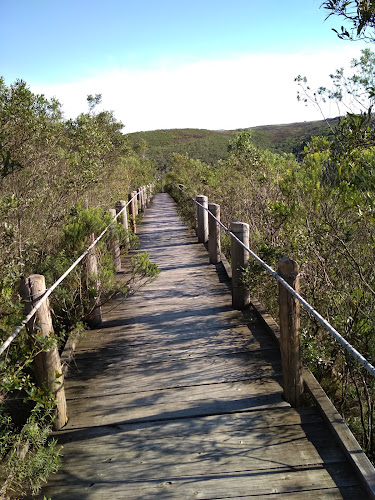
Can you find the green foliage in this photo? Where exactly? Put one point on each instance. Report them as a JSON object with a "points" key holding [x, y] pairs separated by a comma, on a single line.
{"points": [[143, 267], [210, 146], [81, 223], [359, 16], [94, 101], [80, 293], [354, 97], [27, 457], [160, 145], [51, 171]]}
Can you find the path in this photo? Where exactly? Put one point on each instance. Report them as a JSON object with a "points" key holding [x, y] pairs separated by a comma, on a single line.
{"points": [[177, 396]]}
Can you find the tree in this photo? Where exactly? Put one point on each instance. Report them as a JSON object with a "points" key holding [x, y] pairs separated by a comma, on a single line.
{"points": [[50, 168], [94, 101], [359, 16], [354, 96]]}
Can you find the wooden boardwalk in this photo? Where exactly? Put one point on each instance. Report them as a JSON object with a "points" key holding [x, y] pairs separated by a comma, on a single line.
{"points": [[177, 396]]}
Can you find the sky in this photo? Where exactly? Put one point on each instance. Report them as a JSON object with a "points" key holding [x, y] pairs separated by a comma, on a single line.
{"points": [[175, 64]]}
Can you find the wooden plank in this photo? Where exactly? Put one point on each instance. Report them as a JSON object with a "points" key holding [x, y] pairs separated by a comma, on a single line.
{"points": [[163, 350], [123, 378], [284, 480], [252, 336], [347, 492], [177, 403], [242, 359], [255, 438], [195, 427], [231, 339]]}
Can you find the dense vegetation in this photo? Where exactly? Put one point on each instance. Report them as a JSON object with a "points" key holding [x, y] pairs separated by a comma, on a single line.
{"points": [[57, 179], [210, 146], [320, 211]]}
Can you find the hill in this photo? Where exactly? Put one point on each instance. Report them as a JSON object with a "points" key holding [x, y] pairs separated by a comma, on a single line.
{"points": [[210, 145]]}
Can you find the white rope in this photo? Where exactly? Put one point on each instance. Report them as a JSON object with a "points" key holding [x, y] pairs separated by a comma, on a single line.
{"points": [[369, 367], [48, 292]]}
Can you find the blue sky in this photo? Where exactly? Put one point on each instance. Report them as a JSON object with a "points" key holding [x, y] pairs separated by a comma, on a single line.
{"points": [[162, 64]]}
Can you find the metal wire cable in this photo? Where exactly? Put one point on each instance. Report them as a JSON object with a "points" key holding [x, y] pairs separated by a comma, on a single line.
{"points": [[361, 359], [48, 292]]}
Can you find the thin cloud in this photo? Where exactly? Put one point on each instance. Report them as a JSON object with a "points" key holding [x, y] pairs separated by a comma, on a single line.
{"points": [[245, 91]]}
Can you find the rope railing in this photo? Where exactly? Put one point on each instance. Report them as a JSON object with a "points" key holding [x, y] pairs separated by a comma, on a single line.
{"points": [[347, 346], [49, 291]]}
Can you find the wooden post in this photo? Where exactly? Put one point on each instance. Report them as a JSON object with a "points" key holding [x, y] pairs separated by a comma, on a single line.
{"points": [[202, 217], [132, 210], [120, 205], [114, 244], [47, 364], [289, 318], [140, 199], [240, 258], [136, 202], [144, 198], [214, 247], [92, 272]]}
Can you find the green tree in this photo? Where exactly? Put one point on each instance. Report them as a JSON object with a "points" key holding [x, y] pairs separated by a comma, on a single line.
{"points": [[354, 93], [94, 101], [354, 136], [50, 168], [358, 16]]}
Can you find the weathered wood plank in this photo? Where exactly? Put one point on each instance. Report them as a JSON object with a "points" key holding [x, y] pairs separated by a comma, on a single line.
{"points": [[251, 337], [183, 373], [285, 480], [229, 442], [178, 403], [163, 352], [242, 359], [347, 492], [182, 341]]}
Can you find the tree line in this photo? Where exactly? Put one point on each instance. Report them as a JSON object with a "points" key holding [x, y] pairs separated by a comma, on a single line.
{"points": [[58, 177]]}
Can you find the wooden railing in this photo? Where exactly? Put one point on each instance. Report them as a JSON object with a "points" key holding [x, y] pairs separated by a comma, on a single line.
{"points": [[47, 364], [296, 378], [208, 231], [289, 297]]}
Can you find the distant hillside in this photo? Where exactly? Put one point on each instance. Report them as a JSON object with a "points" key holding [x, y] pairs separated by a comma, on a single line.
{"points": [[210, 146], [206, 145], [291, 138]]}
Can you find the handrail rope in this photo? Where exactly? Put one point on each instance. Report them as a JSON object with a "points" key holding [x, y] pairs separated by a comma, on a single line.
{"points": [[48, 292], [352, 350]]}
